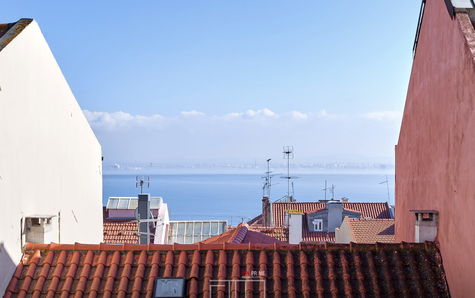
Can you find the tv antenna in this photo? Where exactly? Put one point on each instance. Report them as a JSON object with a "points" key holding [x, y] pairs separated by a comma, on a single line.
{"points": [[142, 181], [387, 187], [267, 181], [289, 154], [325, 188]]}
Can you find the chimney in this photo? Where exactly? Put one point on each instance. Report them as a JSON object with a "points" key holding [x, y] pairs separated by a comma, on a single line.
{"points": [[335, 215], [426, 225], [266, 212], [143, 211], [295, 227]]}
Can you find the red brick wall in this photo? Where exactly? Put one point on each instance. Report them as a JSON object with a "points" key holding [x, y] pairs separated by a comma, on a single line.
{"points": [[435, 155]]}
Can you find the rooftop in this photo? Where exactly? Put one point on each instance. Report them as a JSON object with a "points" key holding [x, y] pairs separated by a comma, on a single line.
{"points": [[242, 234], [368, 210], [9, 31], [372, 230], [377, 270], [130, 203], [280, 231], [121, 231]]}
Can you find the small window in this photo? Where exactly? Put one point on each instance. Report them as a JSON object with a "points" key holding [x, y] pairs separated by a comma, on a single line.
{"points": [[214, 228], [189, 228], [206, 228], [134, 203], [169, 287], [123, 204], [197, 228], [317, 224], [35, 221], [181, 228], [112, 203]]}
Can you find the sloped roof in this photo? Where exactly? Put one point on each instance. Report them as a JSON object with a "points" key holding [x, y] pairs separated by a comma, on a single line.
{"points": [[380, 270], [9, 31], [120, 231], [308, 236], [242, 234], [280, 233], [371, 230], [368, 210]]}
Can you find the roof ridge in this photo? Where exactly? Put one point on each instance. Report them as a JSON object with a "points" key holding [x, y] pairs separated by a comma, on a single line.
{"points": [[225, 246], [370, 219], [13, 31], [239, 233]]}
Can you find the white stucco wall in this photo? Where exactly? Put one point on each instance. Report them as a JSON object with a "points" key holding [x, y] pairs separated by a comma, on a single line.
{"points": [[343, 233], [50, 160], [295, 228], [162, 226]]}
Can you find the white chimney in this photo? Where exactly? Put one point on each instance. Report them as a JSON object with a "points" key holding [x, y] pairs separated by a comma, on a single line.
{"points": [[426, 225], [295, 227]]}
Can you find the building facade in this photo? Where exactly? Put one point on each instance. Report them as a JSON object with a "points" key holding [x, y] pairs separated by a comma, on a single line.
{"points": [[50, 160], [435, 157]]}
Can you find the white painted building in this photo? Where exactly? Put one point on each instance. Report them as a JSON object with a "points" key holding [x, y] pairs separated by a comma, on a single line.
{"points": [[125, 208], [50, 159]]}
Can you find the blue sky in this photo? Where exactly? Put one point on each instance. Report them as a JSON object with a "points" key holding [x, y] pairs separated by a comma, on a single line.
{"points": [[328, 76]]}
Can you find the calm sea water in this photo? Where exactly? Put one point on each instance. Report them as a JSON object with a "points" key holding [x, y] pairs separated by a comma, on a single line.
{"points": [[235, 197]]}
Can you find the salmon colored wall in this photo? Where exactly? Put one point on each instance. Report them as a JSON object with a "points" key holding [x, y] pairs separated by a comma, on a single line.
{"points": [[435, 156]]}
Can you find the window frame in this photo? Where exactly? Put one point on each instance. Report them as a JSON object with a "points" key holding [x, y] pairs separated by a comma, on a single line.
{"points": [[317, 224]]}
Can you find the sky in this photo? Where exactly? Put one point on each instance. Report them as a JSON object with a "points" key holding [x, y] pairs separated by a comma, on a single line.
{"points": [[234, 81]]}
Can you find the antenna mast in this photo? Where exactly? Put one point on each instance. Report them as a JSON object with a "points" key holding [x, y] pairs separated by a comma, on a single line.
{"points": [[141, 181], [268, 178], [267, 181], [289, 154], [387, 187], [325, 188]]}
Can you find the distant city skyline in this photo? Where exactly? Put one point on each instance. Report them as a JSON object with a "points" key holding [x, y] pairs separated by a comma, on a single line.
{"points": [[224, 81]]}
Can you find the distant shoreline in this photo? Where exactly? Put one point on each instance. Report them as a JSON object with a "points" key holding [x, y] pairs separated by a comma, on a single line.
{"points": [[234, 171]]}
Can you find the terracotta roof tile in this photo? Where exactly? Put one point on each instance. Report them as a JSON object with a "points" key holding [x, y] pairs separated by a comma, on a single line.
{"points": [[120, 231], [242, 234], [282, 234], [360, 270], [368, 210], [371, 230]]}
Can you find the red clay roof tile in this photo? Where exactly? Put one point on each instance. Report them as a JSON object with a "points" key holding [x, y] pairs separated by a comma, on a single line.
{"points": [[371, 230], [368, 210], [242, 234], [120, 231], [287, 270]]}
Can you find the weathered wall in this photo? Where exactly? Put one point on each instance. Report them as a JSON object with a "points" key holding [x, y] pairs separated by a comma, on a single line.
{"points": [[50, 160], [343, 233], [435, 156]]}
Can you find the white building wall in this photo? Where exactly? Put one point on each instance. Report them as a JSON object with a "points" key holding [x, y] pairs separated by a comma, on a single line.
{"points": [[162, 226], [343, 233], [295, 228], [50, 160]]}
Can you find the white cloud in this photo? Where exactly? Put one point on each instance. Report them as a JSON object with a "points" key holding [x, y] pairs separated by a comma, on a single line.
{"points": [[298, 115], [323, 114], [251, 114], [383, 115], [119, 119], [251, 134], [192, 113]]}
